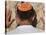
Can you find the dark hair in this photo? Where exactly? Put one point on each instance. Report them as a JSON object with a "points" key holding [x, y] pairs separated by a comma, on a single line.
{"points": [[26, 15]]}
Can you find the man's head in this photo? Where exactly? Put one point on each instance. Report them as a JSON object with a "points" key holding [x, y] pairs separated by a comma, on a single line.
{"points": [[25, 14]]}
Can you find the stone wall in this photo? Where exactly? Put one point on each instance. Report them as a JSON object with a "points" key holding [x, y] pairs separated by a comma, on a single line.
{"points": [[39, 8]]}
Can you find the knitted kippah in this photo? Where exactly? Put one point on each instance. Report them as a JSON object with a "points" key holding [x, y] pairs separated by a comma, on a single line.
{"points": [[24, 7]]}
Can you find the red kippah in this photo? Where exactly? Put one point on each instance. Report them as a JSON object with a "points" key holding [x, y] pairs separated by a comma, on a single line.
{"points": [[24, 7]]}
